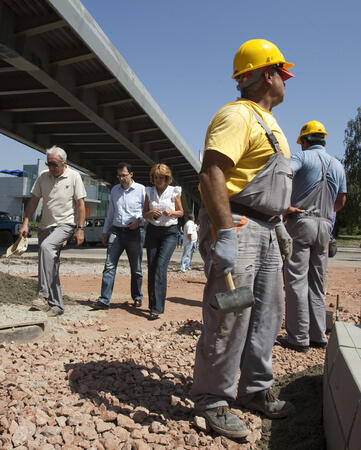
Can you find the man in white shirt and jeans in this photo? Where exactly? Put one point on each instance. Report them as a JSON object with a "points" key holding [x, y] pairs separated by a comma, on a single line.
{"points": [[190, 243], [123, 230]]}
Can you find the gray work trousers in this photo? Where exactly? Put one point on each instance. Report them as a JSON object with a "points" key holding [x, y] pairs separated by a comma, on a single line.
{"points": [[50, 244], [304, 276], [230, 342]]}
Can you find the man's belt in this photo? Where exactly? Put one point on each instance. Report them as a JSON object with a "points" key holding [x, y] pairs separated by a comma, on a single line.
{"points": [[127, 228], [250, 212], [122, 228]]}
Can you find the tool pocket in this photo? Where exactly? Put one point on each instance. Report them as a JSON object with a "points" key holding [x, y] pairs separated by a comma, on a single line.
{"points": [[270, 190]]}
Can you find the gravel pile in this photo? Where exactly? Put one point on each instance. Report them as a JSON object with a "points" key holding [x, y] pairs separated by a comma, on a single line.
{"points": [[132, 392]]}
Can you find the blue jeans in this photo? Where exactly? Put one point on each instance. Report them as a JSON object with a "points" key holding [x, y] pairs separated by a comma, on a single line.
{"points": [[132, 242], [160, 243], [187, 255]]}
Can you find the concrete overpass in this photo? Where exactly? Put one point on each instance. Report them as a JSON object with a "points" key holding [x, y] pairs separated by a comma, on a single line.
{"points": [[63, 82]]}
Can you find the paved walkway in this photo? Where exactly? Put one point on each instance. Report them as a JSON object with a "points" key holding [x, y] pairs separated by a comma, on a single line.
{"points": [[345, 255]]}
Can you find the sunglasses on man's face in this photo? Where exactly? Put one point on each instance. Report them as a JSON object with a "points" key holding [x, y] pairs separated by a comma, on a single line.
{"points": [[52, 164]]}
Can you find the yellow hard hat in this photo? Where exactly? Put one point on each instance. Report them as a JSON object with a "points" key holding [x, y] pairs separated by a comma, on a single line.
{"points": [[257, 53], [312, 127]]}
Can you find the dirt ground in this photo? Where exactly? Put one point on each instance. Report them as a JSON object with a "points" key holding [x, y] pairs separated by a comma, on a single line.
{"points": [[184, 295], [298, 376]]}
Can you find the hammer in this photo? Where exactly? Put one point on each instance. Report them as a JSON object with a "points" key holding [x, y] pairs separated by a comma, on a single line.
{"points": [[234, 299]]}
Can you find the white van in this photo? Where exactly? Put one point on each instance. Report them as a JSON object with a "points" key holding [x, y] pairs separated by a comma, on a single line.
{"points": [[93, 230]]}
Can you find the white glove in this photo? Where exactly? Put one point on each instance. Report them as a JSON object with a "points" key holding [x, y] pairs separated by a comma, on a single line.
{"points": [[284, 241], [224, 251]]}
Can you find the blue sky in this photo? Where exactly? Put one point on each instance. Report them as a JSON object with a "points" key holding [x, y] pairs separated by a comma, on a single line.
{"points": [[183, 54]]}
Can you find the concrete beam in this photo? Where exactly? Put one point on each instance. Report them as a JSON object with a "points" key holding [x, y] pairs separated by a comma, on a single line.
{"points": [[47, 25], [127, 118], [71, 56], [95, 84], [80, 19], [121, 101]]}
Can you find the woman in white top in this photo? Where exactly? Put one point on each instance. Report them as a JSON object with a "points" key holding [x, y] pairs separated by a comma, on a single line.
{"points": [[162, 207]]}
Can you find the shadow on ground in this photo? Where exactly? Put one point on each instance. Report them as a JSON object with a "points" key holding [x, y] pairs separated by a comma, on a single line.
{"points": [[116, 384], [304, 430]]}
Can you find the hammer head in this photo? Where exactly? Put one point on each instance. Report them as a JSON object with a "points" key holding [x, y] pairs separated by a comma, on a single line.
{"points": [[235, 300]]}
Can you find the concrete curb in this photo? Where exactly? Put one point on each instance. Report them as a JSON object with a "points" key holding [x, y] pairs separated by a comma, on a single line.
{"points": [[342, 388]]}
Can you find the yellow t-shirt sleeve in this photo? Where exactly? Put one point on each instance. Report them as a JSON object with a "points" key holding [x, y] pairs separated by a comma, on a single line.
{"points": [[228, 133]]}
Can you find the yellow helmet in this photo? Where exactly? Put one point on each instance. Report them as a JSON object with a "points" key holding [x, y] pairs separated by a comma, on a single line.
{"points": [[314, 126], [257, 53]]}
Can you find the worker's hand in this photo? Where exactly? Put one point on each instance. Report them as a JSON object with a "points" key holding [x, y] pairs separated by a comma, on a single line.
{"points": [[284, 241], [79, 237], [105, 239], [224, 251], [292, 210]]}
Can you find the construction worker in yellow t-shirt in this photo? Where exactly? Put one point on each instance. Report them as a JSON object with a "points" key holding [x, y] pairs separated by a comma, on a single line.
{"points": [[246, 184]]}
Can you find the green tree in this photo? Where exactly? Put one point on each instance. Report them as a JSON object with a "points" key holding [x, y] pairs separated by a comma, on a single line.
{"points": [[350, 216]]}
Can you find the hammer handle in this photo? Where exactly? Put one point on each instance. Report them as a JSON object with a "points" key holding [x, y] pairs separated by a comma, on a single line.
{"points": [[229, 282]]}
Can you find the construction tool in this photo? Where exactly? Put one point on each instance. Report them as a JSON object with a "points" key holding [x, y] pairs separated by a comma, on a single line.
{"points": [[234, 299], [337, 306]]}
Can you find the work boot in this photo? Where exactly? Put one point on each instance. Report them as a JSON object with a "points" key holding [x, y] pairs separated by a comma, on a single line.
{"points": [[265, 402], [283, 342], [41, 304], [224, 422], [315, 344]]}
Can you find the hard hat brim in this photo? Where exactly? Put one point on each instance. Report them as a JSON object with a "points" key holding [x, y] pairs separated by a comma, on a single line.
{"points": [[286, 66], [285, 74]]}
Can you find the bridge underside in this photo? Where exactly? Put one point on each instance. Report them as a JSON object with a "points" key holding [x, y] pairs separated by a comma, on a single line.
{"points": [[62, 82]]}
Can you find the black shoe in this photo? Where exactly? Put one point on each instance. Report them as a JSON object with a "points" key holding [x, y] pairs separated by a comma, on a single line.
{"points": [[137, 303], [283, 342], [153, 316], [99, 305], [315, 344]]}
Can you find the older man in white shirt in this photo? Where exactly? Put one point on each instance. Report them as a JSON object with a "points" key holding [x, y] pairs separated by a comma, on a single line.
{"points": [[63, 215]]}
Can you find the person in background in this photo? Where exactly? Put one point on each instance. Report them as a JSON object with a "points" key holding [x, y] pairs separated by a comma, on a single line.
{"points": [[63, 216], [319, 190], [180, 237], [191, 238], [123, 230], [162, 208]]}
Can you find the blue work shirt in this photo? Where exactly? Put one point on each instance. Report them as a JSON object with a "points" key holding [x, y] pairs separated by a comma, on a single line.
{"points": [[307, 172], [125, 206]]}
